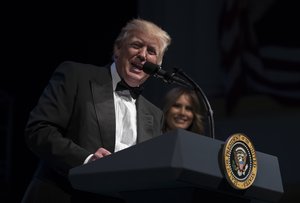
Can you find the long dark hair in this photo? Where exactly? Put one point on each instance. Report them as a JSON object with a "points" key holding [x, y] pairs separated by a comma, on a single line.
{"points": [[171, 97]]}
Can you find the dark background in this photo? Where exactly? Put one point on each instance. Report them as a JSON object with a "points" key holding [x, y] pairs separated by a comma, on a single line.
{"points": [[35, 39]]}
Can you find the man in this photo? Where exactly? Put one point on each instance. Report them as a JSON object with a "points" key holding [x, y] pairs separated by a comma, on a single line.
{"points": [[82, 116]]}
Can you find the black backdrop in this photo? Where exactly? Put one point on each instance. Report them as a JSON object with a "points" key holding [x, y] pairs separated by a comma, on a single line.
{"points": [[35, 39]]}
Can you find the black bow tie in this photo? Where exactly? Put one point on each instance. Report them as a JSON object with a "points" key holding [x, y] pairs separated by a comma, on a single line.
{"points": [[134, 91]]}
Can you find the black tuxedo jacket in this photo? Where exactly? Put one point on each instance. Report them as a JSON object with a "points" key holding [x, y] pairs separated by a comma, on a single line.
{"points": [[75, 116]]}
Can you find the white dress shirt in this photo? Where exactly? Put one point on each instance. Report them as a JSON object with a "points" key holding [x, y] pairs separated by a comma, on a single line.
{"points": [[125, 111]]}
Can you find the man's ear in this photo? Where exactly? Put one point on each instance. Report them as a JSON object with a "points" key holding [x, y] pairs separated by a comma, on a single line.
{"points": [[116, 52]]}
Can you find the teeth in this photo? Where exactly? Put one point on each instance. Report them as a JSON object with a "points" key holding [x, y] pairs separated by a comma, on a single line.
{"points": [[136, 67], [179, 120]]}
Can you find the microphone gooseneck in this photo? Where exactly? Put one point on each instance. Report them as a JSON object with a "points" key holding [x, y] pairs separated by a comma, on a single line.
{"points": [[167, 77]]}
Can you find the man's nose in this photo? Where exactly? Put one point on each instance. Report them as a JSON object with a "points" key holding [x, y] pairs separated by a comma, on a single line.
{"points": [[143, 53]]}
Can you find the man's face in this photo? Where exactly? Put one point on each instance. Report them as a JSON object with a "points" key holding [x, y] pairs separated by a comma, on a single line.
{"points": [[131, 56]]}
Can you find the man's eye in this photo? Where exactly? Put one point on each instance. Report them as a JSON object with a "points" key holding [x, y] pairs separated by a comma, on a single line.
{"points": [[136, 46], [152, 51]]}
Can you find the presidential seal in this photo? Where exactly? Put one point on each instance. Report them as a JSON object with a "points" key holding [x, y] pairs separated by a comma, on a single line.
{"points": [[239, 161]]}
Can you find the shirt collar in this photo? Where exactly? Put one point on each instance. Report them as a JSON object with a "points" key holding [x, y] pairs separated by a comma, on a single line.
{"points": [[114, 75]]}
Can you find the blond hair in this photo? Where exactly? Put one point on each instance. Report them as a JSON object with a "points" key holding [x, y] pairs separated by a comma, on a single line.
{"points": [[141, 25]]}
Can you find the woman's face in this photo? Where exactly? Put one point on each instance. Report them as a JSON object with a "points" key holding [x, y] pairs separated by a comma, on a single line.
{"points": [[180, 115]]}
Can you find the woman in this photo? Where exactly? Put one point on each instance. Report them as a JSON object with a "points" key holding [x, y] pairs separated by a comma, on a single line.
{"points": [[181, 109]]}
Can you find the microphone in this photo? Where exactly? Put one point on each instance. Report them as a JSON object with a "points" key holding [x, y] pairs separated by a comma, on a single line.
{"points": [[157, 71]]}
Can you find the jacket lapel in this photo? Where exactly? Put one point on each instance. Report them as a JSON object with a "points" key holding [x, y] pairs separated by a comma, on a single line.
{"points": [[144, 122], [105, 111]]}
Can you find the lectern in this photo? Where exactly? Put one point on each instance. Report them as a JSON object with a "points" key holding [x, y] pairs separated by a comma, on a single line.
{"points": [[178, 166]]}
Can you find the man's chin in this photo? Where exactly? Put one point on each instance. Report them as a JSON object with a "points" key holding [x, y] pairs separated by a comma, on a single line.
{"points": [[135, 80]]}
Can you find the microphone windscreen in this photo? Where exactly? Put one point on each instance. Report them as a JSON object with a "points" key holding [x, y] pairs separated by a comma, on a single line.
{"points": [[150, 68]]}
